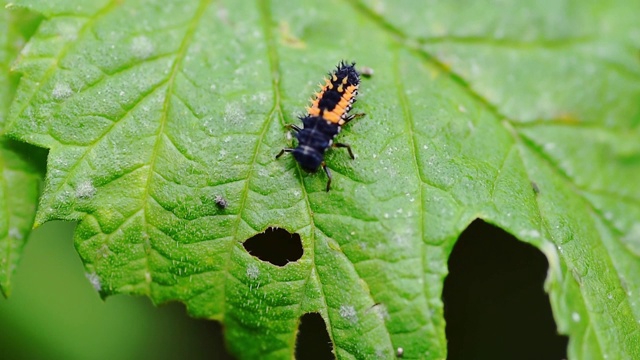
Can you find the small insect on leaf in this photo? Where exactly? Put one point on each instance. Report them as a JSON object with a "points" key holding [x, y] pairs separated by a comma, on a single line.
{"points": [[220, 202], [328, 112]]}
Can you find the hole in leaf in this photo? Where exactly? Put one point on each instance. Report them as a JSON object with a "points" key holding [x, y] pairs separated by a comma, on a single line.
{"points": [[494, 300], [313, 339], [275, 245], [201, 339]]}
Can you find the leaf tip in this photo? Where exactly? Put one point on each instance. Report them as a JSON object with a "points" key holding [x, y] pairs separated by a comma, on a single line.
{"points": [[36, 224]]}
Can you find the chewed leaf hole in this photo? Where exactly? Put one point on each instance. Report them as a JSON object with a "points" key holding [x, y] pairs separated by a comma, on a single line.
{"points": [[313, 339], [275, 245], [494, 301]]}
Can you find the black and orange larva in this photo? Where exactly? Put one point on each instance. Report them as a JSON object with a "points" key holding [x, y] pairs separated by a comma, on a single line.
{"points": [[328, 112]]}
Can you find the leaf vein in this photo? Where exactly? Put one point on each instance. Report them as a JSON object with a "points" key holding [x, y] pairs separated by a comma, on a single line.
{"points": [[413, 147], [63, 52], [175, 69]]}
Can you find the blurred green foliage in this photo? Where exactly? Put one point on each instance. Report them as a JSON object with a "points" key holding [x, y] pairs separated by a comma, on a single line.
{"points": [[54, 313]]}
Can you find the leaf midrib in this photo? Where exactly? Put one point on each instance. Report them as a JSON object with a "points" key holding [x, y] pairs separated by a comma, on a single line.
{"points": [[175, 69], [413, 146]]}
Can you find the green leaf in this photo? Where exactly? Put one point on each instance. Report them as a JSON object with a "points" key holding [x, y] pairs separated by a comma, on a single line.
{"points": [[524, 115], [20, 178]]}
